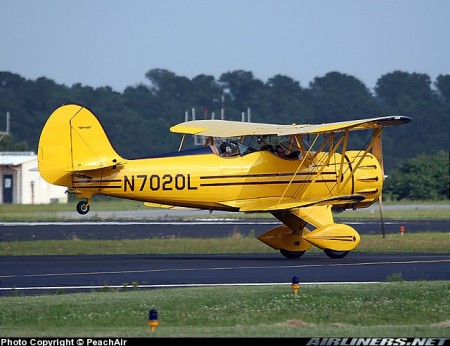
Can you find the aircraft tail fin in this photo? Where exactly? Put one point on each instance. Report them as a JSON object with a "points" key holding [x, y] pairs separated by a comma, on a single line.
{"points": [[73, 139]]}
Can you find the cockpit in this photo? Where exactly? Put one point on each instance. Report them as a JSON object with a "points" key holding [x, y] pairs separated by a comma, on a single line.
{"points": [[233, 147]]}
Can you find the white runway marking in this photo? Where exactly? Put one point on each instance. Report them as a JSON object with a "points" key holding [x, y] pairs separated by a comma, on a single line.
{"points": [[93, 287], [224, 268]]}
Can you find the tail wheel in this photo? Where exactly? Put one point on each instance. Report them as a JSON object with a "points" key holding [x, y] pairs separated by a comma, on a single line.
{"points": [[335, 254], [291, 254], [83, 207]]}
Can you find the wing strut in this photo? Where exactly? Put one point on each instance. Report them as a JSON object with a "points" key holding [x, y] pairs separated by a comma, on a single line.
{"points": [[341, 166], [181, 143], [333, 149], [375, 135], [298, 168]]}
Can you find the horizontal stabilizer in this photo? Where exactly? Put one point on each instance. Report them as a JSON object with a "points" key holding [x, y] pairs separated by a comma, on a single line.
{"points": [[90, 167]]}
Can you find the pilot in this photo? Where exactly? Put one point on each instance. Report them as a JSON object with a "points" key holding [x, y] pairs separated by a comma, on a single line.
{"points": [[225, 149]]}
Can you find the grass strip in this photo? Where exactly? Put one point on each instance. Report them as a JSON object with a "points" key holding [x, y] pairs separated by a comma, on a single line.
{"points": [[389, 309], [436, 242]]}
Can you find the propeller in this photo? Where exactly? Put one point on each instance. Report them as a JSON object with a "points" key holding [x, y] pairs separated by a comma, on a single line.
{"points": [[380, 202], [377, 151]]}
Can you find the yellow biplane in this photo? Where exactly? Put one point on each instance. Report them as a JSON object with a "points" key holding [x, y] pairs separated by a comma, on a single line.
{"points": [[237, 169]]}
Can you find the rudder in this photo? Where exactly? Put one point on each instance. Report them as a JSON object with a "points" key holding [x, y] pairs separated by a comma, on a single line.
{"points": [[73, 139]]}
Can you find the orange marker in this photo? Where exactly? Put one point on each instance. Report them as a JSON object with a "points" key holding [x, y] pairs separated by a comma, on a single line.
{"points": [[295, 285]]}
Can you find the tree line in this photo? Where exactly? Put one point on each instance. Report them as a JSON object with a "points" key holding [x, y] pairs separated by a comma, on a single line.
{"points": [[138, 119]]}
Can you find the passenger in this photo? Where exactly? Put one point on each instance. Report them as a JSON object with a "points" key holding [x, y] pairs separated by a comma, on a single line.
{"points": [[279, 150], [293, 155]]}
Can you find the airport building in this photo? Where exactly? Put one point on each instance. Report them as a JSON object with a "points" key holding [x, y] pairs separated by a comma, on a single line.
{"points": [[21, 182]]}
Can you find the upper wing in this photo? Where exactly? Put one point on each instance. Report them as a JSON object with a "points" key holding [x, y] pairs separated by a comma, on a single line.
{"points": [[227, 128]]}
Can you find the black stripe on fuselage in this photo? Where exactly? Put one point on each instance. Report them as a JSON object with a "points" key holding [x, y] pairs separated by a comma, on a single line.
{"points": [[266, 182], [264, 175]]}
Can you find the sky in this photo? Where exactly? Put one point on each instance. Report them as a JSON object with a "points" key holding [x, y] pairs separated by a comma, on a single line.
{"points": [[115, 42]]}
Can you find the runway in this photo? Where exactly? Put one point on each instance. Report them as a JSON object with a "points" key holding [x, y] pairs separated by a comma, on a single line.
{"points": [[218, 228], [50, 274], [39, 274]]}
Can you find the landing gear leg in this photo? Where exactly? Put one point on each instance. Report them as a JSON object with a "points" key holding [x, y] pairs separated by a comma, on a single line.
{"points": [[83, 207]]}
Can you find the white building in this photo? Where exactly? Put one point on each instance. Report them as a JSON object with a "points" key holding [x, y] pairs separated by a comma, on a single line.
{"points": [[21, 182]]}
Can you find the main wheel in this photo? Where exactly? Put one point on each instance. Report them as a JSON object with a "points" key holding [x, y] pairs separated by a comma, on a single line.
{"points": [[82, 208], [335, 254], [291, 254]]}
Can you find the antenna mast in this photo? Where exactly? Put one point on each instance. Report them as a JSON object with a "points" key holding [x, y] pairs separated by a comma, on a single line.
{"points": [[5, 133]]}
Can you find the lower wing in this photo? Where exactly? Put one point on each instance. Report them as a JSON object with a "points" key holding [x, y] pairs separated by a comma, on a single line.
{"points": [[270, 204]]}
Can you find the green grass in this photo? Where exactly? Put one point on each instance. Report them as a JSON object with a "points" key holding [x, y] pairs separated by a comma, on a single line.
{"points": [[390, 309], [437, 242], [412, 214]]}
